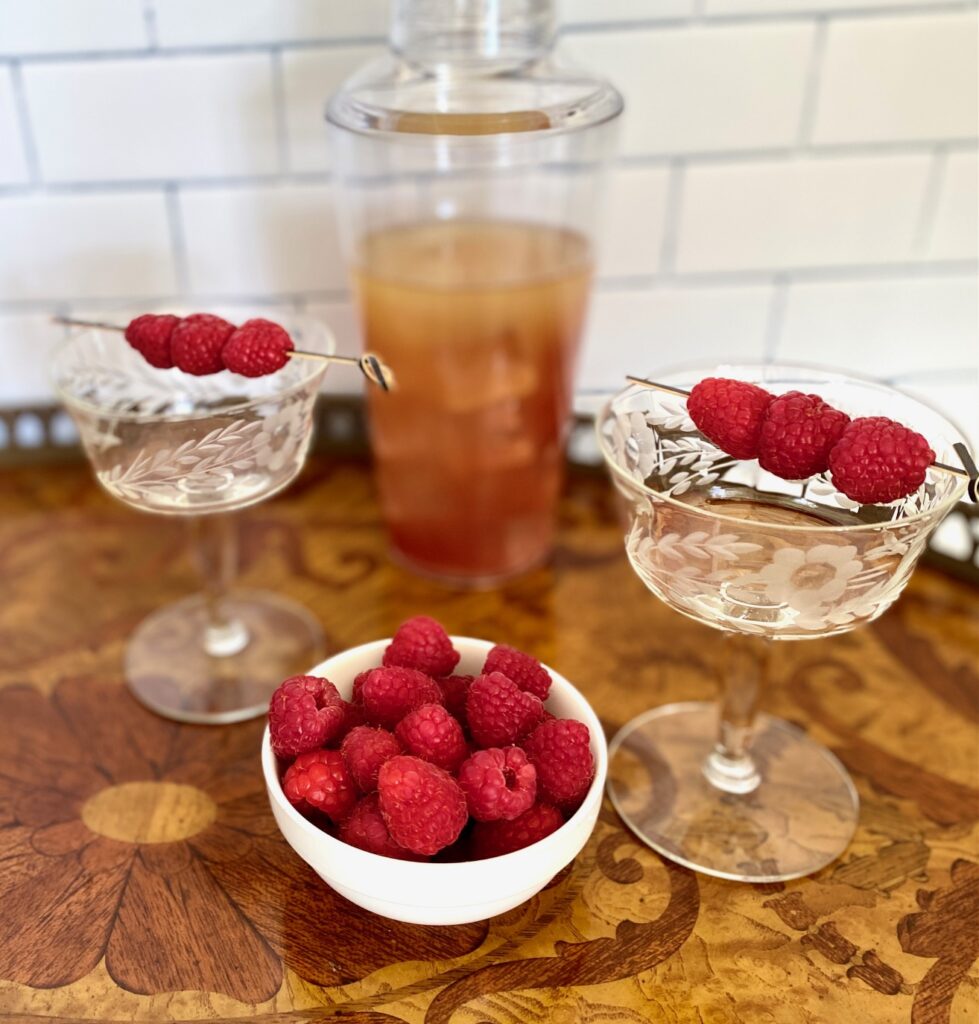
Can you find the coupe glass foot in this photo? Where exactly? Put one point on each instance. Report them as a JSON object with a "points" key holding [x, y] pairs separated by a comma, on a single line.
{"points": [[169, 670], [799, 818]]}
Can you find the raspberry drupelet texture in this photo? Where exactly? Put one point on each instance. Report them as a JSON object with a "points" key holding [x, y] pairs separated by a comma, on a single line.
{"points": [[431, 733], [421, 643], [878, 460], [423, 806], [364, 828], [320, 779], [305, 712], [729, 413], [197, 342], [561, 752], [498, 783], [495, 838], [797, 434], [357, 693], [390, 693], [365, 749], [150, 335], [258, 347], [499, 712], [353, 715], [520, 668], [455, 692]]}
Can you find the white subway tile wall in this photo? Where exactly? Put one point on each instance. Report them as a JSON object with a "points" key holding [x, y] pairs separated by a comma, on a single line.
{"points": [[153, 117], [704, 89], [70, 26], [797, 178], [911, 79]]}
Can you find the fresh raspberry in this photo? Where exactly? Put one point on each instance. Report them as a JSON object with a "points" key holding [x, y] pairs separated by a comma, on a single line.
{"points": [[353, 716], [320, 779], [495, 838], [730, 413], [499, 712], [797, 435], [423, 644], [197, 341], [561, 753], [877, 460], [520, 668], [455, 692], [431, 733], [256, 348], [365, 749], [357, 695], [150, 335], [423, 806], [305, 712], [364, 828], [498, 783], [390, 693]]}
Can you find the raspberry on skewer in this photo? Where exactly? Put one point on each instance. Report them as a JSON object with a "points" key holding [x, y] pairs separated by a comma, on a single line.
{"points": [[265, 351], [902, 444]]}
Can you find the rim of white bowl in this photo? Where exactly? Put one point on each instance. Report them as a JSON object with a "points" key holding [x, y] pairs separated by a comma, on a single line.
{"points": [[599, 749]]}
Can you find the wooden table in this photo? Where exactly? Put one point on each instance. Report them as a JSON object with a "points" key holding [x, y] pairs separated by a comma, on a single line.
{"points": [[142, 876]]}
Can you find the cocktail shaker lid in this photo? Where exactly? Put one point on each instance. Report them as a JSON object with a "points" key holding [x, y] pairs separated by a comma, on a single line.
{"points": [[472, 67]]}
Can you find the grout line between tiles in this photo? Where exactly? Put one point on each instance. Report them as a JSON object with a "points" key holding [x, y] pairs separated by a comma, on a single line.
{"points": [[671, 226], [810, 98], [930, 197], [279, 102], [24, 123], [178, 240], [149, 19]]}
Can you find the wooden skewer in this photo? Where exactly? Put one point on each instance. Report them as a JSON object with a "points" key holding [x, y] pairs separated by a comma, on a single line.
{"points": [[970, 473], [376, 371]]}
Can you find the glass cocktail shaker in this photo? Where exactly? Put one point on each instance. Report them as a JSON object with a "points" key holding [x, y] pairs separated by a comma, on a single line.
{"points": [[469, 162]]}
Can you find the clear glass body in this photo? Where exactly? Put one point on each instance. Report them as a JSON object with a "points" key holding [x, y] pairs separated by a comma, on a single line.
{"points": [[169, 443], [762, 559], [470, 164]]}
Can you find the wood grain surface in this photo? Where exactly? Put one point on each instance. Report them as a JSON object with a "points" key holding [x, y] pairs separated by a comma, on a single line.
{"points": [[142, 877]]}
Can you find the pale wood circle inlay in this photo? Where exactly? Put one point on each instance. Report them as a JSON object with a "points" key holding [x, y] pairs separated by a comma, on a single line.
{"points": [[149, 812]]}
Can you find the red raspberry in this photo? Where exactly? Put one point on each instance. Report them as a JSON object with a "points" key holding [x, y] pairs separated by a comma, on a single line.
{"points": [[353, 715], [365, 749], [431, 733], [729, 413], [561, 753], [877, 460], [320, 779], [357, 696], [498, 783], [256, 348], [423, 806], [455, 692], [495, 838], [305, 712], [364, 828], [797, 435], [150, 335], [390, 693], [499, 712], [520, 668], [423, 644], [197, 341]]}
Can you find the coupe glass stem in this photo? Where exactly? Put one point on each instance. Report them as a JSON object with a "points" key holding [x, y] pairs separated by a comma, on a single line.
{"points": [[730, 766], [215, 546]]}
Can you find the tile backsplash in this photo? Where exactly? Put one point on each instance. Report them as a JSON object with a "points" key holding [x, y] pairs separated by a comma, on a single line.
{"points": [[797, 179]]}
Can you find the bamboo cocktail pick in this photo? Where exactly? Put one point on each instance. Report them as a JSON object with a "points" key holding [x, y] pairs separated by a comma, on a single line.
{"points": [[376, 371]]}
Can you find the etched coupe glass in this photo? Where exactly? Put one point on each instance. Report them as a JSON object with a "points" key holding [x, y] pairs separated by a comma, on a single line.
{"points": [[721, 788], [166, 442]]}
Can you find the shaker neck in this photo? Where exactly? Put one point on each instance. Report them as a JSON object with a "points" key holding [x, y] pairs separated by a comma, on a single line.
{"points": [[447, 32]]}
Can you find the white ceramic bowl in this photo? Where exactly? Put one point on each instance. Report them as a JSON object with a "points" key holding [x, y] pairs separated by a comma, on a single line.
{"points": [[431, 893]]}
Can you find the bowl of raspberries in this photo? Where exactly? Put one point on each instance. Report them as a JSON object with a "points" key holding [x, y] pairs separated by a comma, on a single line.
{"points": [[434, 779]]}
